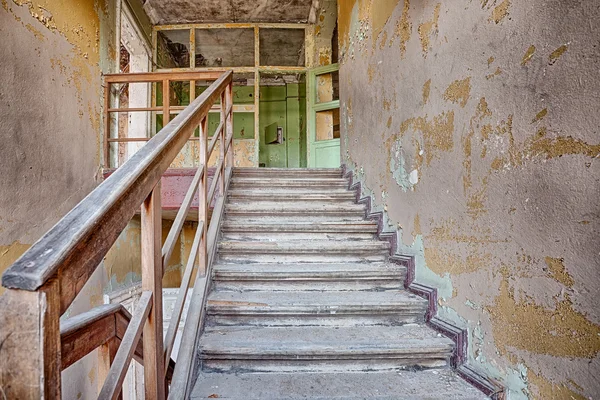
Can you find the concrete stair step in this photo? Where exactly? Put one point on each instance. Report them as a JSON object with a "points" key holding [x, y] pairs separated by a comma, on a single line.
{"points": [[303, 251], [278, 226], [282, 219], [287, 349], [306, 247], [325, 196], [288, 172], [295, 208], [306, 184], [437, 384], [290, 277], [304, 308]]}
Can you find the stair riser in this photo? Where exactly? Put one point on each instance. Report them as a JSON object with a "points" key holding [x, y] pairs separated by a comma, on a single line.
{"points": [[303, 187], [259, 201], [291, 173], [292, 219], [294, 285], [277, 236], [295, 213], [336, 320], [211, 363], [322, 257]]}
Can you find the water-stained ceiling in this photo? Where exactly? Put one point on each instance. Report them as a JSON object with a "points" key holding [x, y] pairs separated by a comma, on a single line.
{"points": [[167, 12]]}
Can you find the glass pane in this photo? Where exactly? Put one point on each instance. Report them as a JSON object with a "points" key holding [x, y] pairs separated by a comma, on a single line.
{"points": [[282, 47], [243, 94], [328, 87], [173, 49], [224, 48], [328, 124]]}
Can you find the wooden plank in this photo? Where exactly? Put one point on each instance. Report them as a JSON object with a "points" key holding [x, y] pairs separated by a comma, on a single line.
{"points": [[202, 191], [231, 25], [106, 124], [122, 322], [225, 108], [212, 144], [216, 177], [126, 140], [160, 75], [82, 334], [30, 344], [74, 247], [114, 382], [175, 230], [152, 272], [166, 94], [182, 376], [134, 109], [229, 124], [181, 296]]}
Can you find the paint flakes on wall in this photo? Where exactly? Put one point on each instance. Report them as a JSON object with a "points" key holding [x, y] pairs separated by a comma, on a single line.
{"points": [[558, 271], [380, 14], [500, 12], [490, 61], [561, 332], [545, 389], [427, 29], [556, 54], [426, 91], [528, 55], [459, 92], [539, 116], [437, 133], [494, 74], [404, 28]]}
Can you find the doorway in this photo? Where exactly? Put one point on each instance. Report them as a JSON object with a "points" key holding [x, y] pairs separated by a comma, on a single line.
{"points": [[324, 116], [282, 124]]}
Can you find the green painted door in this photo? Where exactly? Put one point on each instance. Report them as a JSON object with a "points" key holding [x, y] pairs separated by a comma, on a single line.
{"points": [[324, 117], [273, 115]]}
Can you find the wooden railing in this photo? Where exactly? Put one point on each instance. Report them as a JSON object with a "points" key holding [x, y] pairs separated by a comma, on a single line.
{"points": [[42, 284]]}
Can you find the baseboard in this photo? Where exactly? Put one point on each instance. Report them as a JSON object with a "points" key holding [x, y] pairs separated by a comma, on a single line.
{"points": [[459, 361]]}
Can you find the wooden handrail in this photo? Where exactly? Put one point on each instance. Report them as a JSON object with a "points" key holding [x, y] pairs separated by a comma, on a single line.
{"points": [[45, 280], [82, 238]]}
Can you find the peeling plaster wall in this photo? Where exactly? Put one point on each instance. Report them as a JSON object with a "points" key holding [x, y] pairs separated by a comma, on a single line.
{"points": [[53, 54], [474, 125]]}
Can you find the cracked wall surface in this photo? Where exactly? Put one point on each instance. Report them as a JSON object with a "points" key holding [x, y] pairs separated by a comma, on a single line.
{"points": [[474, 125], [52, 57]]}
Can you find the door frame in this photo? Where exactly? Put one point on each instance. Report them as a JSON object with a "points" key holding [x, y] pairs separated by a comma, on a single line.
{"points": [[313, 107]]}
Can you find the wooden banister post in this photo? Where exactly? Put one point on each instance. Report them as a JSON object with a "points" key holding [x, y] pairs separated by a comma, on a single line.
{"points": [[229, 123], [106, 356], [202, 192], [152, 272], [30, 358], [106, 125], [223, 114], [166, 94]]}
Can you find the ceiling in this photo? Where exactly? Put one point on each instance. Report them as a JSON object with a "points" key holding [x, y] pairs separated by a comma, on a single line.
{"points": [[169, 12]]}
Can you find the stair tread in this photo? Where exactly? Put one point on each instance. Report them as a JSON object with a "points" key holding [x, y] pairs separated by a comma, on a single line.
{"points": [[316, 302], [439, 384], [289, 269], [305, 244], [315, 340], [313, 207]]}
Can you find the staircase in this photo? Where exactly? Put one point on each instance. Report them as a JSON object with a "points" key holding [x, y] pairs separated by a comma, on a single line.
{"points": [[305, 304]]}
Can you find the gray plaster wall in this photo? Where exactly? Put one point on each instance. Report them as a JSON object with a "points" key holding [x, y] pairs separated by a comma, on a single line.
{"points": [[52, 55], [474, 125]]}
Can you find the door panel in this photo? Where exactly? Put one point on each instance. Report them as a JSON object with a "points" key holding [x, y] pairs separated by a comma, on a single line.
{"points": [[324, 117]]}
